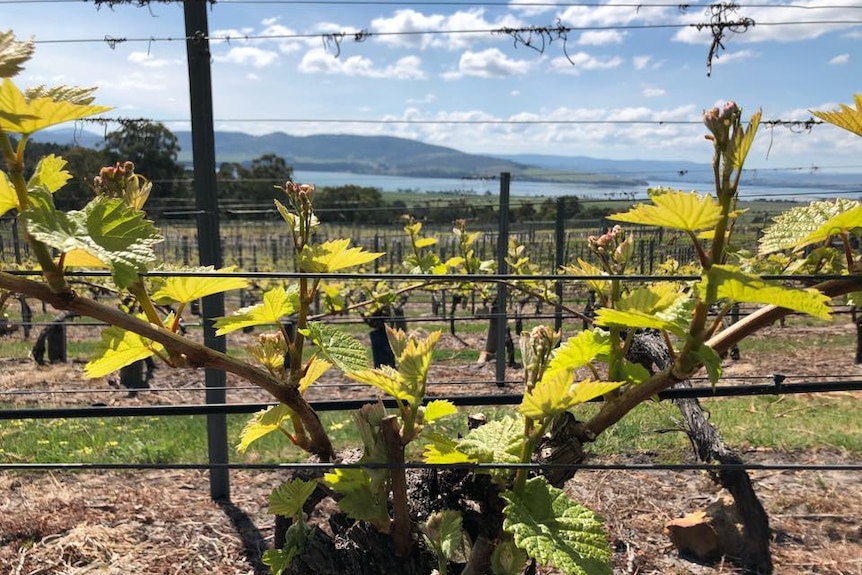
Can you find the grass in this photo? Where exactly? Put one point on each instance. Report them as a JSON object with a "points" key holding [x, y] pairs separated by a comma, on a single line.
{"points": [[798, 422]]}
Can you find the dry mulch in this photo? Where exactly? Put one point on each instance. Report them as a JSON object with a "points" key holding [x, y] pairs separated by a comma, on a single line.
{"points": [[161, 522]]}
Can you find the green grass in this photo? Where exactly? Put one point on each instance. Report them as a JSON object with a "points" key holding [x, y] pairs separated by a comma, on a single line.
{"points": [[803, 422]]}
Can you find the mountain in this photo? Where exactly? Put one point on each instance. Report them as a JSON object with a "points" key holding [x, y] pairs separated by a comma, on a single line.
{"points": [[382, 155]]}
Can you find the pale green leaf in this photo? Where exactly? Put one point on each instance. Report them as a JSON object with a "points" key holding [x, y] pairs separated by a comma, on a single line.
{"points": [[13, 54], [315, 368], [728, 282], [442, 449], [288, 498], [333, 256], [711, 361], [117, 349], [652, 299], [744, 141], [508, 558], [277, 560], [23, 116], [556, 393], [438, 408], [636, 319], [263, 423], [8, 197], [444, 533], [845, 117], [339, 348], [841, 223], [71, 94], [585, 268], [498, 441], [358, 499], [578, 351], [790, 227], [388, 380], [425, 242], [277, 303], [186, 289], [106, 228], [556, 530], [49, 174], [678, 210]]}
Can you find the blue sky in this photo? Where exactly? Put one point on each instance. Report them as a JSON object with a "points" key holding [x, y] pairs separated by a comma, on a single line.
{"points": [[272, 63]]}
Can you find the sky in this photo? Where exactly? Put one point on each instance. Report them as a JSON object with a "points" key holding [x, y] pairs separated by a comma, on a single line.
{"points": [[620, 80]]}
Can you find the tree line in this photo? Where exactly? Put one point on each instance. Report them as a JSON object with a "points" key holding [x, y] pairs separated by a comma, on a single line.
{"points": [[154, 150]]}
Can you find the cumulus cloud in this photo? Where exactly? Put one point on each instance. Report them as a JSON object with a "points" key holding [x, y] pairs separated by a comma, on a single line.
{"points": [[150, 61], [828, 13], [840, 59], [616, 13], [600, 37], [405, 28], [319, 61], [650, 92], [580, 61], [490, 63], [728, 57], [531, 7], [248, 56]]}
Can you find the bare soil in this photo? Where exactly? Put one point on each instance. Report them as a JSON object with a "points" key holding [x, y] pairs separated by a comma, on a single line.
{"points": [[161, 522]]}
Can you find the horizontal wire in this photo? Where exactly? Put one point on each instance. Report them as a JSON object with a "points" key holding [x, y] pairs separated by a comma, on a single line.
{"points": [[442, 466], [717, 391], [222, 3], [362, 35]]}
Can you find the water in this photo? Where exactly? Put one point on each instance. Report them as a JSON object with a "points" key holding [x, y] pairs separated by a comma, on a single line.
{"points": [[555, 189]]}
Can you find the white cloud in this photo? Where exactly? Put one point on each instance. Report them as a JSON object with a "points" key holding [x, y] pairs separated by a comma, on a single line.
{"points": [[650, 92], [428, 99], [828, 13], [148, 60], [600, 37], [406, 27], [531, 7], [319, 61], [490, 63], [641, 62], [728, 57], [614, 13], [248, 56], [578, 62], [840, 59]]}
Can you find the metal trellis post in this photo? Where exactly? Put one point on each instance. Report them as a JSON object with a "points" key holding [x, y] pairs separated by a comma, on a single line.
{"points": [[209, 248]]}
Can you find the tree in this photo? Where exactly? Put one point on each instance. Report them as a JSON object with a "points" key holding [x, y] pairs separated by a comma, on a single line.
{"points": [[352, 204], [254, 184], [153, 148]]}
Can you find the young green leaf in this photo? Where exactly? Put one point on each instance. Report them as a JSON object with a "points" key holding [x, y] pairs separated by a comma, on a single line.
{"points": [[497, 441], [585, 268], [744, 140], [578, 351], [13, 54], [555, 393], [25, 116], [315, 368], [106, 229], [711, 361], [263, 423], [729, 282], [49, 174], [675, 209], [339, 348], [442, 449], [8, 197], [277, 303], [117, 349], [444, 533], [288, 498], [186, 289], [359, 500], [845, 117], [557, 531], [508, 558], [791, 226], [840, 223], [277, 560], [333, 256], [438, 408], [636, 319]]}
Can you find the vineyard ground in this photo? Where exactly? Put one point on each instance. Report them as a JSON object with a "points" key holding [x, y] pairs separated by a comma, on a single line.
{"points": [[163, 522]]}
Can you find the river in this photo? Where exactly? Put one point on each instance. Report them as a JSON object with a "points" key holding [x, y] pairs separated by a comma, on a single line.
{"points": [[555, 189]]}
